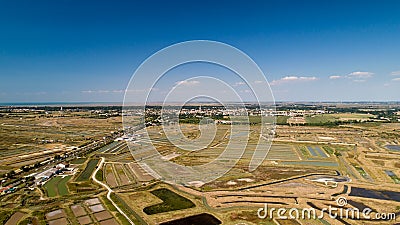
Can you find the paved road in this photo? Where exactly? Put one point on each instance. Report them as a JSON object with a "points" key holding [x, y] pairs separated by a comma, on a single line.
{"points": [[108, 189]]}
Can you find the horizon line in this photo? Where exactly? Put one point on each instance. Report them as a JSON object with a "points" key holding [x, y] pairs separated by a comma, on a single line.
{"points": [[72, 103]]}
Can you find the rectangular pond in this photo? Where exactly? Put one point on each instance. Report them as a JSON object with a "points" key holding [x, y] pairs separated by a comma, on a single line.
{"points": [[311, 163], [393, 176], [321, 152], [311, 150], [375, 194], [393, 147]]}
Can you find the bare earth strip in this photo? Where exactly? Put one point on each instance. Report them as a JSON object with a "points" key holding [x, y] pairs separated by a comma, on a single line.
{"points": [[15, 218], [78, 210], [84, 220], [59, 221], [116, 175], [121, 173], [102, 215], [140, 173], [109, 222], [110, 178], [55, 214], [129, 172], [109, 195]]}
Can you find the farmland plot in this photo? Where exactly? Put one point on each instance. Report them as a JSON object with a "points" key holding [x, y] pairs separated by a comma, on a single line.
{"points": [[90, 167]]}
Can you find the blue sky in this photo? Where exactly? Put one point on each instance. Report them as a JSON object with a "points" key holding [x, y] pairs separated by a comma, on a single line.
{"points": [[58, 51]]}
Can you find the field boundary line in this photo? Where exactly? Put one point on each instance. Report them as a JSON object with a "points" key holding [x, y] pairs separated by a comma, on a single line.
{"points": [[109, 190]]}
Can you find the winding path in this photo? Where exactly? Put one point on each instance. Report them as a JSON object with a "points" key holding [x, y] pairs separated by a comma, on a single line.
{"points": [[109, 190]]}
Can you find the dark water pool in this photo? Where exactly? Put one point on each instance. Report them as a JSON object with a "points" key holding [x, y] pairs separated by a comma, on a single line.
{"points": [[200, 219], [393, 147], [368, 193]]}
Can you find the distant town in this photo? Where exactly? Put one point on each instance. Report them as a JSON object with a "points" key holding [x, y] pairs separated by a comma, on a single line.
{"points": [[82, 154]]}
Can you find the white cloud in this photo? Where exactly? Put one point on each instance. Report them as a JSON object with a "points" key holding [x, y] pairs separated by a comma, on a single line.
{"points": [[88, 91], [258, 82], [334, 77], [360, 74], [395, 73], [396, 79], [188, 82], [289, 79], [299, 78], [359, 80]]}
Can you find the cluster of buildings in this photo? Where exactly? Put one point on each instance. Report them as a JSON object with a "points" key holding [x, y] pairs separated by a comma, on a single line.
{"points": [[221, 114], [7, 189], [42, 177], [230, 111], [298, 113], [39, 178]]}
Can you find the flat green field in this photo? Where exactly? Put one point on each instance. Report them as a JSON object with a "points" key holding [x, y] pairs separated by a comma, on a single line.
{"points": [[282, 152], [99, 175], [282, 120], [171, 202], [57, 186], [4, 216], [328, 118], [78, 161], [85, 175], [62, 186]]}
